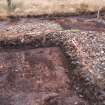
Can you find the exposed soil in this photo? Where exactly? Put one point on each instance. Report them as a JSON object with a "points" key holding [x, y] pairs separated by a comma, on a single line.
{"points": [[17, 25], [81, 24], [36, 76], [82, 41]]}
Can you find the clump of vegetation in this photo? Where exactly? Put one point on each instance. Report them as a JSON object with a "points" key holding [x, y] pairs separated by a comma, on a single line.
{"points": [[82, 8]]}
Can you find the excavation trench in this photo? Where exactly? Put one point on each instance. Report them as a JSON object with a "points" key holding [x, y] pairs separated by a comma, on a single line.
{"points": [[37, 69], [40, 65], [35, 76]]}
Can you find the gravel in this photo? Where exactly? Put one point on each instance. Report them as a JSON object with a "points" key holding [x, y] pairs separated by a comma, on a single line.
{"points": [[85, 51]]}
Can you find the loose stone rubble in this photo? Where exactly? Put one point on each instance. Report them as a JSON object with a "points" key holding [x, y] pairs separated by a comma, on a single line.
{"points": [[84, 51]]}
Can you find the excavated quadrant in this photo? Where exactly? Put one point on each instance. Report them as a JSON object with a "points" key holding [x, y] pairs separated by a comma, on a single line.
{"points": [[34, 77], [28, 76]]}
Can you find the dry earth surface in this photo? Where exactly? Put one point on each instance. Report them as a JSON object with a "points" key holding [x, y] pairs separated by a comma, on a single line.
{"points": [[35, 77], [82, 41]]}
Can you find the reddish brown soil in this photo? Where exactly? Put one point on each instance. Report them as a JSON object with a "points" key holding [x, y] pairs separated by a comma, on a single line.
{"points": [[40, 76], [81, 23], [35, 77]]}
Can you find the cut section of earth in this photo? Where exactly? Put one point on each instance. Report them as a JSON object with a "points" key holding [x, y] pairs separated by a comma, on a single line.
{"points": [[30, 75], [36, 77]]}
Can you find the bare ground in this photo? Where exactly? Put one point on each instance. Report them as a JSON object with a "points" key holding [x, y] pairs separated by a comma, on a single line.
{"points": [[83, 48]]}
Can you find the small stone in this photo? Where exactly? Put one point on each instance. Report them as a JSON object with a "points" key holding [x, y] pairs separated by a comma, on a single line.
{"points": [[102, 52], [76, 103]]}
